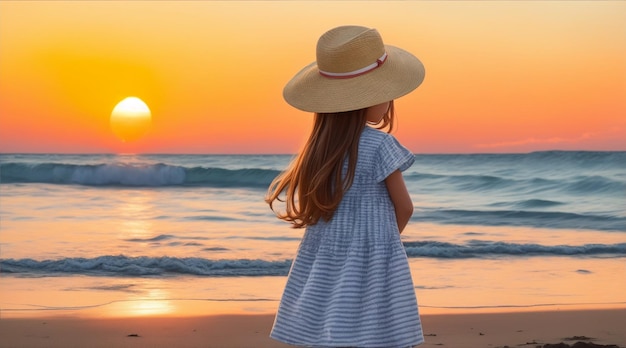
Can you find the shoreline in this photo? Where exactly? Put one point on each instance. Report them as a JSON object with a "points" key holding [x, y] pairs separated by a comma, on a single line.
{"points": [[470, 330]]}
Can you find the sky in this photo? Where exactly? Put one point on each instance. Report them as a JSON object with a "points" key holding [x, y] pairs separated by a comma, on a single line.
{"points": [[501, 76]]}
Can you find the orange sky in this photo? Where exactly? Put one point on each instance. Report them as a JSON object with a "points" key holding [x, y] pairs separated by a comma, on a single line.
{"points": [[500, 76]]}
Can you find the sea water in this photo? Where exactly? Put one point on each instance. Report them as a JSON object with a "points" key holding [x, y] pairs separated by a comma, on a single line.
{"points": [[191, 234]]}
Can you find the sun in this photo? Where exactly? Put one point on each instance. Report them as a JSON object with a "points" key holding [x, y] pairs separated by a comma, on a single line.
{"points": [[130, 119]]}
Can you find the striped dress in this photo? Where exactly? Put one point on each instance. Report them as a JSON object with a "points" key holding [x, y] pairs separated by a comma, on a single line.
{"points": [[350, 284]]}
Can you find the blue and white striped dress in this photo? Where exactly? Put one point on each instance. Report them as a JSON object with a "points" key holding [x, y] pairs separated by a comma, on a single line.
{"points": [[350, 284]]}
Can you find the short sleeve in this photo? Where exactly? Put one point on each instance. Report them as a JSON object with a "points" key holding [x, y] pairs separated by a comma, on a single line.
{"points": [[391, 156]]}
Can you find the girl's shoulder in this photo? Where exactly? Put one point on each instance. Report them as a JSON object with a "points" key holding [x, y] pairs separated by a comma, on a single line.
{"points": [[383, 151], [373, 133], [373, 141], [373, 136]]}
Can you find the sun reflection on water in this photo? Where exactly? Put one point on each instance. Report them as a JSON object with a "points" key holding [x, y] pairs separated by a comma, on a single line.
{"points": [[152, 300], [135, 212], [154, 303]]}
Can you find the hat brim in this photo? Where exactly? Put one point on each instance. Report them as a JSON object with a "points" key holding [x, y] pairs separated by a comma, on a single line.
{"points": [[309, 91]]}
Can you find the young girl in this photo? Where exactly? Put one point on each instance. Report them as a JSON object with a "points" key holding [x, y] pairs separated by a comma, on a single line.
{"points": [[350, 283]]}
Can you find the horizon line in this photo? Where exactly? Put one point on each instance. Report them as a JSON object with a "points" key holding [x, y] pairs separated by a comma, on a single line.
{"points": [[281, 154]]}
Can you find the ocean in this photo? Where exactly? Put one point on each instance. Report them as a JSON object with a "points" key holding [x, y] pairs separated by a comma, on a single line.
{"points": [[117, 235]]}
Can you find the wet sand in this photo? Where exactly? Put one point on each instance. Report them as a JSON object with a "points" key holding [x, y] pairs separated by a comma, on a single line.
{"points": [[517, 329]]}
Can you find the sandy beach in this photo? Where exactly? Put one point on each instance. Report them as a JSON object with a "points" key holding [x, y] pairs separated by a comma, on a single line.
{"points": [[517, 329]]}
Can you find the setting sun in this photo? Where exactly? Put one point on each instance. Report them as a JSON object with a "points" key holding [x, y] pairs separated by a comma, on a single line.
{"points": [[130, 119]]}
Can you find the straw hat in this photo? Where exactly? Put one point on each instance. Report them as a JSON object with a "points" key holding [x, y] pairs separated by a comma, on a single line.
{"points": [[354, 70]]}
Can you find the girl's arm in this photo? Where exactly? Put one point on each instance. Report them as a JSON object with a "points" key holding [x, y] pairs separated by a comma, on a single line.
{"points": [[400, 197]]}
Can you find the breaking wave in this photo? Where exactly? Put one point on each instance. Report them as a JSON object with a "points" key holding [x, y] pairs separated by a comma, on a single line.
{"points": [[121, 265], [133, 175]]}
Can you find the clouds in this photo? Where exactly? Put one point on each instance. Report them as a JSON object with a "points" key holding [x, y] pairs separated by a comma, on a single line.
{"points": [[618, 134]]}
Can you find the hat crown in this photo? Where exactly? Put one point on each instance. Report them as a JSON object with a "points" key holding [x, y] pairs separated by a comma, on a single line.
{"points": [[348, 48]]}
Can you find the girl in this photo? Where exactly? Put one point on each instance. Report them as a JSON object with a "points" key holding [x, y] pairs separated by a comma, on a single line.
{"points": [[350, 283]]}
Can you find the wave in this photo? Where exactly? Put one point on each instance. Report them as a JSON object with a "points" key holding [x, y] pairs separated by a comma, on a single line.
{"points": [[590, 158], [579, 185], [541, 219], [529, 204], [593, 159], [146, 266], [537, 203], [597, 184], [133, 175], [154, 175], [171, 266], [478, 248]]}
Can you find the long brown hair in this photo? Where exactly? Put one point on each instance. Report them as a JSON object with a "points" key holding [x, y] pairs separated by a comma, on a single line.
{"points": [[313, 183]]}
